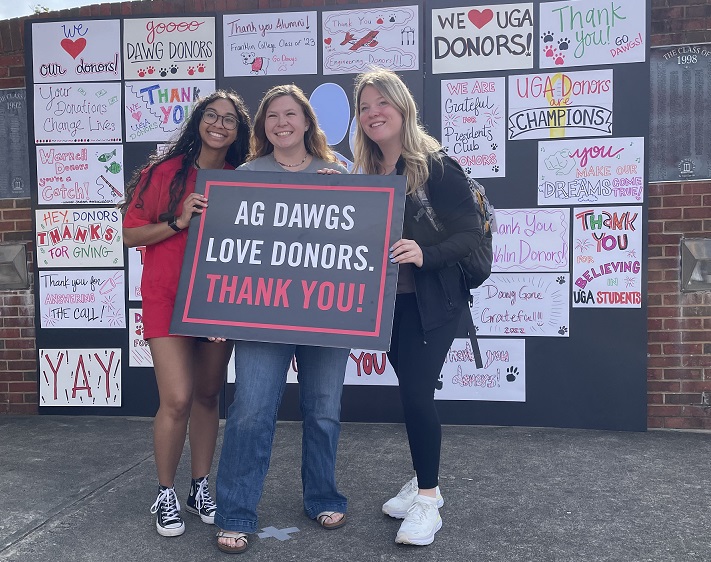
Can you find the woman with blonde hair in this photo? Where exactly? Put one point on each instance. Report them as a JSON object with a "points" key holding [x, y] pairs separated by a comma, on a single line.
{"points": [[431, 290], [286, 138]]}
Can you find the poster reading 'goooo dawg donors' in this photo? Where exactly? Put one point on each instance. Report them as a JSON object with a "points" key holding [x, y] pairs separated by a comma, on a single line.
{"points": [[307, 263], [476, 39]]}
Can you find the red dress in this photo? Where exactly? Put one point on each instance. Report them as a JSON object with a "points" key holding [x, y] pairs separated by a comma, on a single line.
{"points": [[162, 261]]}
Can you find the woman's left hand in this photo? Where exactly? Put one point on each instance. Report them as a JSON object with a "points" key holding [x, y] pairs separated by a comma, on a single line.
{"points": [[406, 251]]}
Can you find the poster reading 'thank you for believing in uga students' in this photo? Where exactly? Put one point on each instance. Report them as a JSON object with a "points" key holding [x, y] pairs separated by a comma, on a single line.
{"points": [[292, 258]]}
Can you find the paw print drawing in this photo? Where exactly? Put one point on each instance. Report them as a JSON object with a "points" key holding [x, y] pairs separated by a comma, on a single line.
{"points": [[547, 37], [468, 170], [563, 330], [191, 70], [141, 72], [560, 280], [163, 72], [150, 69], [494, 146], [549, 51], [173, 68], [511, 374], [201, 67], [563, 44], [446, 148], [559, 59], [495, 169]]}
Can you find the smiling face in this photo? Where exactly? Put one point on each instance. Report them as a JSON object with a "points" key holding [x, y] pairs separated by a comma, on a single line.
{"points": [[214, 136], [285, 124], [379, 119]]}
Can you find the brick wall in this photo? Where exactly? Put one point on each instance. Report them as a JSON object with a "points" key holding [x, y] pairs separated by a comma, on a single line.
{"points": [[679, 325]]}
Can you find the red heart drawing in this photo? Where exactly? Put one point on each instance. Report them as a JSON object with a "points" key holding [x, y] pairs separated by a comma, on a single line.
{"points": [[73, 47], [136, 115], [480, 19], [327, 40]]}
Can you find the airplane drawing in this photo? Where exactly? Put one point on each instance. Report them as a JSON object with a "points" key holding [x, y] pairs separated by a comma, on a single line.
{"points": [[368, 40]]}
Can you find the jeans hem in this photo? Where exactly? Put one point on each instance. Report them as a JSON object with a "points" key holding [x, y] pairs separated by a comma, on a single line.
{"points": [[238, 525]]}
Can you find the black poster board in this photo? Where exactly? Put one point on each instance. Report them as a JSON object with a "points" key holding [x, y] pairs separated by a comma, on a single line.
{"points": [[14, 151], [680, 120]]}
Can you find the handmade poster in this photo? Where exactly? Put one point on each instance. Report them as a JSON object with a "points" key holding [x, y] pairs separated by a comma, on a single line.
{"points": [[139, 352], [77, 113], [301, 260], [78, 237], [502, 378], [170, 47], [473, 125], [76, 51], [592, 32], [82, 299], [522, 304], [80, 377], [599, 171], [607, 257], [88, 175], [156, 110], [481, 38], [356, 40], [370, 368], [282, 43], [14, 152], [135, 271], [531, 240], [567, 104]]}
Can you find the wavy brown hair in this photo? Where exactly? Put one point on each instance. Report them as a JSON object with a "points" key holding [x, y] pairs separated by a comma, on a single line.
{"points": [[314, 138], [188, 145]]}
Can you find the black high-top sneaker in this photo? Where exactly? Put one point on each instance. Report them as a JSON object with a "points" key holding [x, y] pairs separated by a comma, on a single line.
{"points": [[167, 511], [200, 502]]}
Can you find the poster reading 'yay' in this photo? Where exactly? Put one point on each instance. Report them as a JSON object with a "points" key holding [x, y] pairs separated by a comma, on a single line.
{"points": [[473, 125], [466, 39], [175, 48], [156, 110], [531, 240], [261, 44], [77, 113], [607, 257], [600, 171], [72, 51], [525, 304], [79, 238], [357, 40], [592, 32], [80, 377], [80, 175], [82, 299], [573, 104]]}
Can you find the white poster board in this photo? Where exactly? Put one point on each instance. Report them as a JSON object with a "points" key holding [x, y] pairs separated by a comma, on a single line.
{"points": [[139, 352], [135, 271]]}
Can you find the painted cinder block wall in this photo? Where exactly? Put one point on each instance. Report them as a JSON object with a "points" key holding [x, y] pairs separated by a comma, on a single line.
{"points": [[679, 325]]}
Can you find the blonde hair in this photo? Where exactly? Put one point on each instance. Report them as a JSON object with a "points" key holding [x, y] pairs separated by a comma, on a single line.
{"points": [[417, 145], [314, 138]]}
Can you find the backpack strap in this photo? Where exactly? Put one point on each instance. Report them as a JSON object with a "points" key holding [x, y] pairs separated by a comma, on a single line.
{"points": [[471, 332]]}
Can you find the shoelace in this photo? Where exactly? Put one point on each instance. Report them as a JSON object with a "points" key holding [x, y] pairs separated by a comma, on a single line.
{"points": [[408, 489], [203, 499], [167, 502], [417, 512]]}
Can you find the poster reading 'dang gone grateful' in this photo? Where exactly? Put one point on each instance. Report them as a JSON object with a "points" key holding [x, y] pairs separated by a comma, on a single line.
{"points": [[275, 260]]}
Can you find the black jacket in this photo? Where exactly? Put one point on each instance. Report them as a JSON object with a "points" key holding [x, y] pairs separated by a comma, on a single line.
{"points": [[439, 284]]}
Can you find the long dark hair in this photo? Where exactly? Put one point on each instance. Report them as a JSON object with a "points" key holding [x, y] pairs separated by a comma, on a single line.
{"points": [[188, 145]]}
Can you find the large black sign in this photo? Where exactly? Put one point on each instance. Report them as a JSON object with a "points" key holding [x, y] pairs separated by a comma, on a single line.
{"points": [[292, 258]]}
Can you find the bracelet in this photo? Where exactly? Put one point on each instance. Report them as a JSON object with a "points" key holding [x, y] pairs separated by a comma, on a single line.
{"points": [[173, 223]]}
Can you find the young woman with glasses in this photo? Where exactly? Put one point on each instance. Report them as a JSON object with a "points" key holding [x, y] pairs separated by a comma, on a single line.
{"points": [[160, 200]]}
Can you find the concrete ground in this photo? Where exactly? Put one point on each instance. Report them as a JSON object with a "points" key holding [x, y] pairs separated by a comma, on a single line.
{"points": [[79, 489]]}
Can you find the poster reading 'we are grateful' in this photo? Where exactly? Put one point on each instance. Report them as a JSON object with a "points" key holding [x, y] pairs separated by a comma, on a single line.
{"points": [[476, 39], [357, 40], [278, 43], [474, 126], [174, 47], [76, 51]]}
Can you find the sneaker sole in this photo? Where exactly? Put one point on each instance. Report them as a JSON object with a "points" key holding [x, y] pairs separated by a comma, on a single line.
{"points": [[402, 539], [165, 532], [208, 519], [402, 514]]}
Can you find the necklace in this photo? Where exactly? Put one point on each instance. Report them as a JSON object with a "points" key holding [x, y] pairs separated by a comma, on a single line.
{"points": [[290, 165]]}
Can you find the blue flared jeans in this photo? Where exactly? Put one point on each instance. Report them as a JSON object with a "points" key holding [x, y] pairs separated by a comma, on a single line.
{"points": [[261, 370]]}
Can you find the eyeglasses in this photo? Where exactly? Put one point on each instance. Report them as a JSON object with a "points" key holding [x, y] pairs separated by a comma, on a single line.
{"points": [[210, 117]]}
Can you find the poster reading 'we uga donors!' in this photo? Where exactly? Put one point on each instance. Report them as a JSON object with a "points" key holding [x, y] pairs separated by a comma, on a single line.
{"points": [[476, 39], [73, 51], [260, 44], [356, 40], [607, 257]]}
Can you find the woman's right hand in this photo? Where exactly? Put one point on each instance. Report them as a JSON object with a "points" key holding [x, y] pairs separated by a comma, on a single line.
{"points": [[194, 203]]}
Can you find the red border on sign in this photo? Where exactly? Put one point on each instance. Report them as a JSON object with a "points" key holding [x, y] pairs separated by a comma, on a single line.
{"points": [[376, 331]]}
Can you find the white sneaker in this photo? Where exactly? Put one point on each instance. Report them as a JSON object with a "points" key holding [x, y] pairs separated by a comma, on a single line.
{"points": [[421, 522], [397, 507]]}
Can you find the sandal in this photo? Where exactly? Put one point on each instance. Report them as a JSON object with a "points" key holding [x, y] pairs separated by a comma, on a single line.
{"points": [[327, 521], [240, 539]]}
